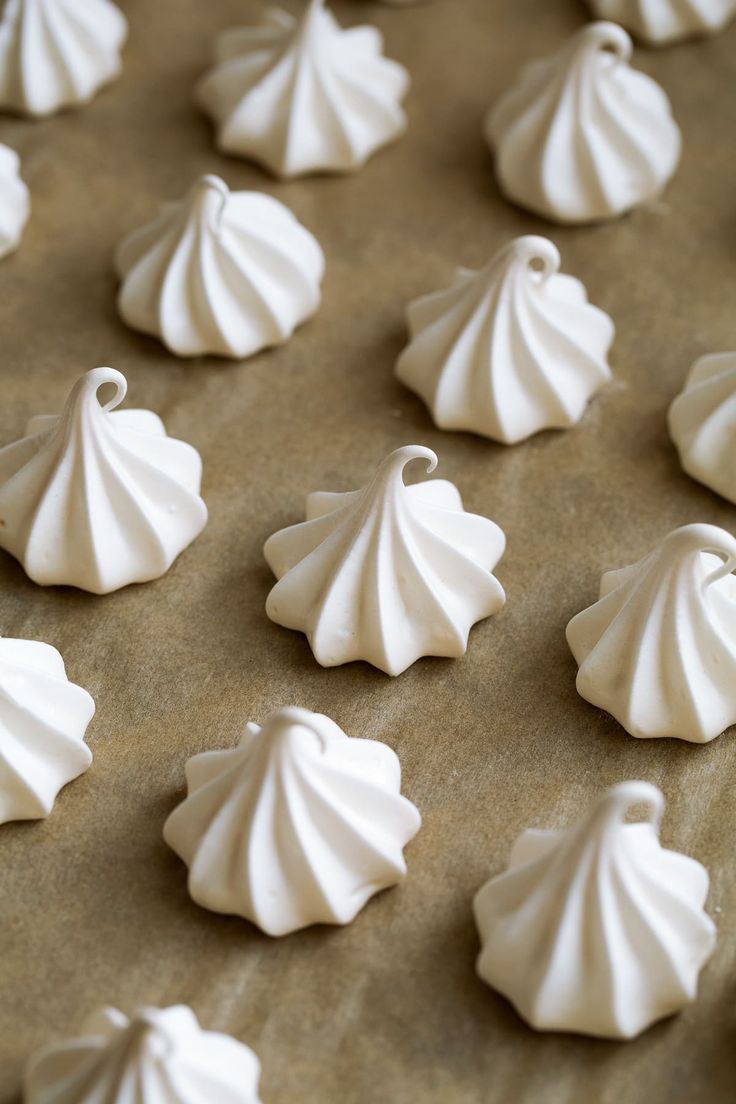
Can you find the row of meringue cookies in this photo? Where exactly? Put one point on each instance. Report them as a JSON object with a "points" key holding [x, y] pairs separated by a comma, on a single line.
{"points": [[589, 166], [387, 573], [57, 54], [545, 944]]}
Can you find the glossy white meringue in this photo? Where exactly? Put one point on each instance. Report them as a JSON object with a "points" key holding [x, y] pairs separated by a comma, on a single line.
{"points": [[43, 719], [582, 136], [161, 1056], [96, 498], [57, 53], [220, 272], [597, 929], [658, 649], [509, 350], [388, 573], [663, 21], [302, 96], [702, 423], [300, 824], [15, 201]]}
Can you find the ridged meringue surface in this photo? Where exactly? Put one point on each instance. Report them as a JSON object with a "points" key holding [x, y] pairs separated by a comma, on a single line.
{"points": [[58, 53], [582, 136], [160, 1056], [702, 423], [15, 201], [97, 498], [658, 649], [43, 719], [303, 96], [509, 350], [221, 272], [298, 825], [662, 21], [597, 929], [388, 573]]}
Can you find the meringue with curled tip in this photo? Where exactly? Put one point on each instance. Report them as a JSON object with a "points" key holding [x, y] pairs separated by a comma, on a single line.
{"points": [[509, 350], [160, 1056], [660, 22], [58, 53], [226, 273], [43, 719], [15, 201], [597, 929], [298, 825], [388, 573], [582, 136], [98, 498], [658, 649], [303, 95], [702, 423]]}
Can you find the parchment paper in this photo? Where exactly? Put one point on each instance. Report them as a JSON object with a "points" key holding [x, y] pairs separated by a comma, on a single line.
{"points": [[94, 907]]}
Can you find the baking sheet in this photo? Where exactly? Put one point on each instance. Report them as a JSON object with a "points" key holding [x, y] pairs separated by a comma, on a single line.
{"points": [[94, 906]]}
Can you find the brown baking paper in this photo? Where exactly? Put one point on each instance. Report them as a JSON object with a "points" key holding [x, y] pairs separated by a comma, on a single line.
{"points": [[94, 907]]}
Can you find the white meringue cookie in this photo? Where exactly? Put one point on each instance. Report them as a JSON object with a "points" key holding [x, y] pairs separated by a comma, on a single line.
{"points": [[702, 423], [509, 350], [663, 21], [98, 499], [582, 136], [388, 573], [658, 649], [597, 929], [298, 825], [43, 719], [58, 53], [221, 272], [15, 201], [161, 1056], [303, 96]]}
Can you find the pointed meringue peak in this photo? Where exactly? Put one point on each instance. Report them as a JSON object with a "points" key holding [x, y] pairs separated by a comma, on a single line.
{"points": [[388, 573], [97, 498], [15, 201], [160, 1056], [582, 136], [597, 929], [43, 719], [304, 96], [658, 649], [509, 350], [58, 53], [702, 423], [298, 825], [660, 22], [221, 272], [207, 200]]}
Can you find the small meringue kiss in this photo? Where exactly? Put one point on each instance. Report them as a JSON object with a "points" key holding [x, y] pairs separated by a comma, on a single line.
{"points": [[597, 929], [388, 573], [43, 719], [98, 498], [661, 22], [582, 136], [702, 423], [303, 95], [658, 648], [227, 273], [160, 1056], [15, 201], [58, 53], [509, 350], [298, 825]]}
